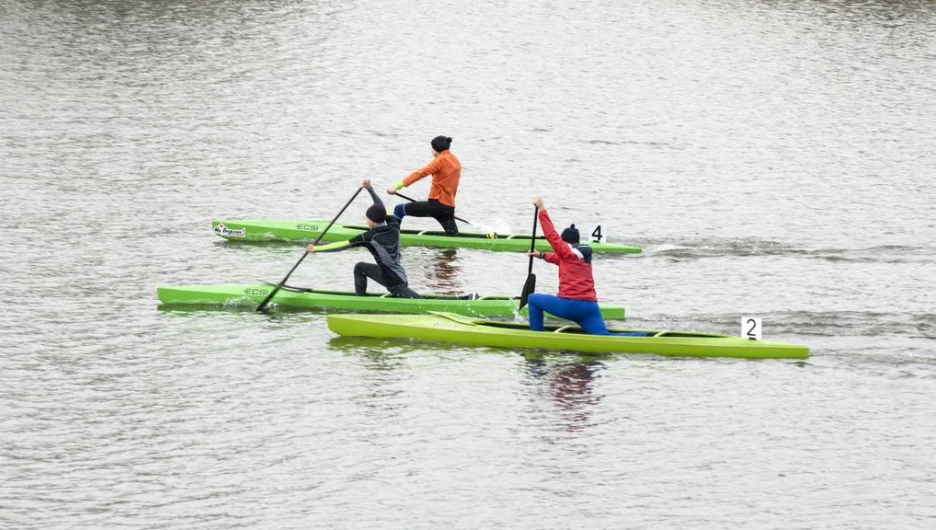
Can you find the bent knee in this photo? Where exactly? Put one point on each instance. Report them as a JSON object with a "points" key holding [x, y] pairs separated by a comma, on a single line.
{"points": [[536, 298]]}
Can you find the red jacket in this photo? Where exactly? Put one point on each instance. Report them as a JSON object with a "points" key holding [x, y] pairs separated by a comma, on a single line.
{"points": [[575, 270]]}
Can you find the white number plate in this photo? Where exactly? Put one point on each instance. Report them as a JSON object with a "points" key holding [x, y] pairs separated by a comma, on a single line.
{"points": [[596, 234], [751, 328]]}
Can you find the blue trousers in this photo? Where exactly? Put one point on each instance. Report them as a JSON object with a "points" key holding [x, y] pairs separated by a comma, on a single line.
{"points": [[584, 313]]}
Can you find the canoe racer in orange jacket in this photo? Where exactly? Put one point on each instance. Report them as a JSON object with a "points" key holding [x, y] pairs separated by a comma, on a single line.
{"points": [[446, 172]]}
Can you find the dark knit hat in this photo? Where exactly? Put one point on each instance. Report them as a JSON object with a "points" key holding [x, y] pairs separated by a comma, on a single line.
{"points": [[376, 213], [441, 143], [570, 235]]}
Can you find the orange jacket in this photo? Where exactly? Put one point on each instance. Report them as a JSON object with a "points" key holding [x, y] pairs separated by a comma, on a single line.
{"points": [[446, 171]]}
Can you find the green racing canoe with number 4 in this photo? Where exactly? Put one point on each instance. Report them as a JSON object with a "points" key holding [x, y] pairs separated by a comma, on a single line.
{"points": [[259, 230], [232, 295], [455, 329]]}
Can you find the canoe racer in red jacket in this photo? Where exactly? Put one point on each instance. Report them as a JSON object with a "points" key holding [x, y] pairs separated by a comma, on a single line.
{"points": [[577, 299]]}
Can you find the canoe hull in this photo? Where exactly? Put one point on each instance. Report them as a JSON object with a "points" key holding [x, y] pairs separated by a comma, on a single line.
{"points": [[260, 230], [449, 329], [247, 295]]}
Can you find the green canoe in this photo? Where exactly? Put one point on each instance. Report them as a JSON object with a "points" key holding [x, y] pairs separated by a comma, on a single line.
{"points": [[445, 327], [300, 298], [307, 230]]}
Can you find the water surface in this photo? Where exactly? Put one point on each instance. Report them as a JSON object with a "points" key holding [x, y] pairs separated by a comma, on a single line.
{"points": [[773, 158]]}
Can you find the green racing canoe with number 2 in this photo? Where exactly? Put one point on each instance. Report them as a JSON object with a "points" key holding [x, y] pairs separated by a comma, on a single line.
{"points": [[259, 230], [455, 329]]}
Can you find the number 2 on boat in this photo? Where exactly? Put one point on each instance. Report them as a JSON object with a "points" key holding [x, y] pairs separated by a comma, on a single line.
{"points": [[751, 328]]}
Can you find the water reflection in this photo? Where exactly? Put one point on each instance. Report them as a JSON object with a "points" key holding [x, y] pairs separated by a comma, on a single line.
{"points": [[570, 386], [445, 273], [375, 354]]}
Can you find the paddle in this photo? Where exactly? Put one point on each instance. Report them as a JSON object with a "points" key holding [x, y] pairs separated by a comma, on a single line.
{"points": [[400, 195], [279, 286], [530, 285]]}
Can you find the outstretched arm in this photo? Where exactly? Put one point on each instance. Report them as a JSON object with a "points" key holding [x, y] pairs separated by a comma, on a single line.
{"points": [[366, 184], [562, 250], [339, 245], [430, 169]]}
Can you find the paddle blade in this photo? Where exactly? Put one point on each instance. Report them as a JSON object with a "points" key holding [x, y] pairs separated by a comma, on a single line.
{"points": [[263, 305], [528, 288]]}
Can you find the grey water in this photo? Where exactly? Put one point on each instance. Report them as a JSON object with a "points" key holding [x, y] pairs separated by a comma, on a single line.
{"points": [[774, 158]]}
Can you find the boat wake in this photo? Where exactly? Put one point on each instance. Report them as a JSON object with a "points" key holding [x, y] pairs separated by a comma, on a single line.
{"points": [[745, 247], [810, 323]]}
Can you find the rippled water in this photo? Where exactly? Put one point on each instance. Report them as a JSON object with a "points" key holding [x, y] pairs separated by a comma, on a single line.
{"points": [[774, 158]]}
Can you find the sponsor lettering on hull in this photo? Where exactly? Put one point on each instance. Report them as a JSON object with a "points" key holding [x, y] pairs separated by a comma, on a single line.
{"points": [[222, 230]]}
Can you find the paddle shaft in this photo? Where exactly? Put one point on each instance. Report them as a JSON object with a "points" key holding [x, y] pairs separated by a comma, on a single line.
{"points": [[279, 286], [530, 285], [533, 237], [400, 195]]}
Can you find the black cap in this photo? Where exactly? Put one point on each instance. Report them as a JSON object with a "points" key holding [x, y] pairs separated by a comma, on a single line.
{"points": [[376, 213], [570, 235], [441, 143]]}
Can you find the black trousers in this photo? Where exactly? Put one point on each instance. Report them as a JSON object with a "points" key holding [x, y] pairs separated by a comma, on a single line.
{"points": [[363, 271], [442, 213]]}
